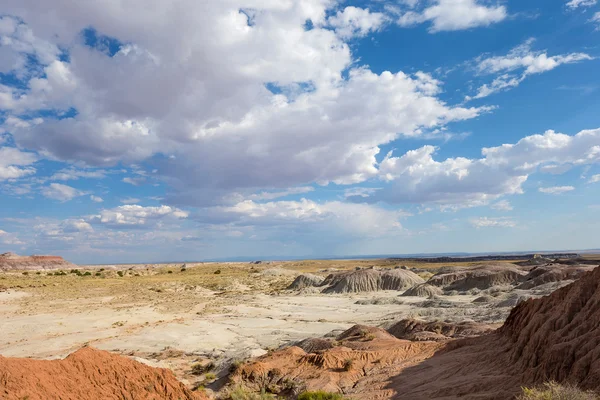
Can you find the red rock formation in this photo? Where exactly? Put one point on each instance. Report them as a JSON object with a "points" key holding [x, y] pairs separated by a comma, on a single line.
{"points": [[89, 374]]}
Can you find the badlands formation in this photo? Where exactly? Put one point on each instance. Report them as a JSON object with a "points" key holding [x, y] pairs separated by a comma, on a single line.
{"points": [[366, 329]]}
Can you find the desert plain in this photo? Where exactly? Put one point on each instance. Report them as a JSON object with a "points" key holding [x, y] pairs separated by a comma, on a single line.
{"points": [[203, 320]]}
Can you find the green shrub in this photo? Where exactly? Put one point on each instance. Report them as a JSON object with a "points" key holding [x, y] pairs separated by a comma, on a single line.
{"points": [[98, 274], [25, 273], [218, 272], [210, 377], [348, 363], [74, 271], [101, 269], [38, 273], [87, 273], [169, 272], [120, 273], [199, 369], [320, 395], [240, 393], [554, 391]]}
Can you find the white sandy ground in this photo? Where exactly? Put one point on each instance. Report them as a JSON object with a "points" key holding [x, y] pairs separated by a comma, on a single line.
{"points": [[248, 328]]}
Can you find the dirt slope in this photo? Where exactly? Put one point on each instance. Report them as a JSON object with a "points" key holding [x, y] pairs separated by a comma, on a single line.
{"points": [[88, 374]]}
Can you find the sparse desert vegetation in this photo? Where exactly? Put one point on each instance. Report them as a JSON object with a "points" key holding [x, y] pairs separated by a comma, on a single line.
{"points": [[555, 391]]}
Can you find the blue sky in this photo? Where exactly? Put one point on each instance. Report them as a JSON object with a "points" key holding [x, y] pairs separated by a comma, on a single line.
{"points": [[192, 130]]}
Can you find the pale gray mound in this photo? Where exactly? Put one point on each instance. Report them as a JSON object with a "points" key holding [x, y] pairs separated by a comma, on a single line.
{"points": [[423, 290], [484, 299], [481, 277], [380, 301], [513, 300], [436, 302], [412, 329], [553, 273], [371, 280], [305, 281], [314, 345]]}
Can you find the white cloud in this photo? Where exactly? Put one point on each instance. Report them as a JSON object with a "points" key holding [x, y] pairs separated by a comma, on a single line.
{"points": [[284, 193], [218, 127], [136, 215], [594, 178], [487, 222], [134, 181], [416, 177], [556, 189], [76, 225], [72, 174], [130, 200], [96, 199], [14, 163], [502, 205], [58, 191], [354, 21], [573, 4], [523, 60], [596, 18], [453, 15], [349, 219], [9, 239]]}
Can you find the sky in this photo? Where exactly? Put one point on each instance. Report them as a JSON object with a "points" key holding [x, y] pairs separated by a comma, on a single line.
{"points": [[151, 130]]}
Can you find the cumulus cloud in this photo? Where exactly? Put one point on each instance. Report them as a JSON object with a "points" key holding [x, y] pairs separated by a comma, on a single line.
{"points": [[9, 239], [351, 219], [137, 216], [594, 178], [454, 15], [596, 19], [96, 199], [416, 177], [215, 129], [60, 192], [15, 163], [72, 174], [130, 200], [284, 193], [487, 222], [523, 61], [573, 4], [354, 21], [556, 189], [502, 205]]}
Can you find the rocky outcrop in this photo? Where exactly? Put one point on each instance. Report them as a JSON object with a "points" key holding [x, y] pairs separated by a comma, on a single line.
{"points": [[412, 329], [14, 262], [371, 280], [553, 273], [89, 374], [305, 280], [423, 290], [482, 277]]}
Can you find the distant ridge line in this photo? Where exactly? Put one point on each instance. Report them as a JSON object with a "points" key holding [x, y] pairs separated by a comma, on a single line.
{"points": [[446, 259]]}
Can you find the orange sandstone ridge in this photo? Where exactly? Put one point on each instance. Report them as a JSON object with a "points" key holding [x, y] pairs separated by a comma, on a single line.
{"points": [[89, 374]]}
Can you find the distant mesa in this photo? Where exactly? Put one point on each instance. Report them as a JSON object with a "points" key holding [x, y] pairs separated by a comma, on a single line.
{"points": [[14, 262]]}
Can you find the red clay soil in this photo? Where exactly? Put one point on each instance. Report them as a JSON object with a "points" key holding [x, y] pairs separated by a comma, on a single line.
{"points": [[88, 374], [556, 337]]}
